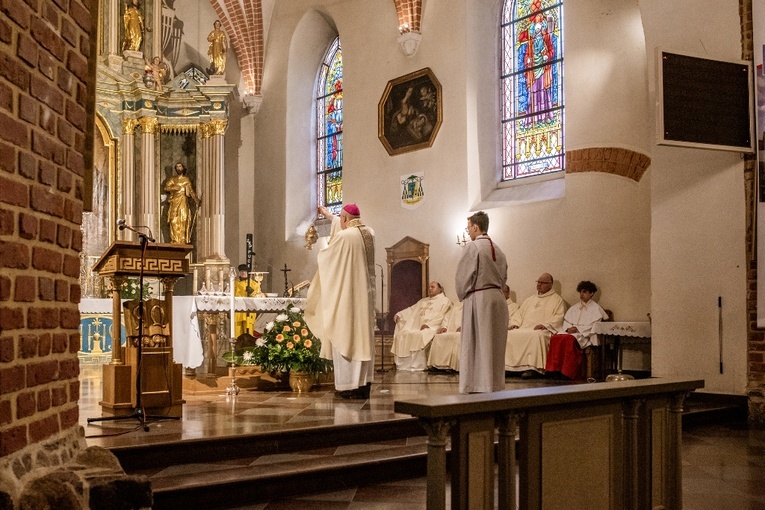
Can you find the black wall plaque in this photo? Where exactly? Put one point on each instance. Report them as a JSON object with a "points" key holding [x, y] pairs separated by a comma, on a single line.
{"points": [[705, 103]]}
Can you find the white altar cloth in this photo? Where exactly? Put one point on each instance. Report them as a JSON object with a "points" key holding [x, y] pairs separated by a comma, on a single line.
{"points": [[187, 342], [635, 330], [222, 303]]}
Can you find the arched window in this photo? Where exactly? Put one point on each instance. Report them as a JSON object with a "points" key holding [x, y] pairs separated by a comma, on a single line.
{"points": [[329, 129], [531, 88]]}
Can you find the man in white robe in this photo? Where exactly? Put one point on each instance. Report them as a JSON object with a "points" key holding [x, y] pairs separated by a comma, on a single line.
{"points": [[528, 338], [340, 303], [481, 273], [416, 326], [445, 348], [512, 306]]}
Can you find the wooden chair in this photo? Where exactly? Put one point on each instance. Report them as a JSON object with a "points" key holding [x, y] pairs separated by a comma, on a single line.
{"points": [[408, 262], [592, 368]]}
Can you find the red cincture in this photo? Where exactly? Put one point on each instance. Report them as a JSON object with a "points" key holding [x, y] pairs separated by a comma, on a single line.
{"points": [[493, 253]]}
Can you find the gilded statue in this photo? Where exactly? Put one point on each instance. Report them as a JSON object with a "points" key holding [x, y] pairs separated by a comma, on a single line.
{"points": [[133, 22], [158, 69], [217, 49], [179, 189]]}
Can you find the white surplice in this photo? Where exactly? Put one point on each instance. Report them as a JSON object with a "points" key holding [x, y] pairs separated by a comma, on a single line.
{"points": [[583, 316]]}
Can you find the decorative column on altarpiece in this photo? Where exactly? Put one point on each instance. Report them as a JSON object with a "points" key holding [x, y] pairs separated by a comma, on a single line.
{"points": [[127, 205], [203, 190], [210, 237], [216, 191], [112, 20], [148, 195]]}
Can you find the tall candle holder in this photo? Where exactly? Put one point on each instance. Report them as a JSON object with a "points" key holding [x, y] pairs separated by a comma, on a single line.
{"points": [[233, 389]]}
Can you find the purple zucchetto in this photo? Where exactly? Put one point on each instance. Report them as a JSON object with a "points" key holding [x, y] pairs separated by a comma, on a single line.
{"points": [[352, 209]]}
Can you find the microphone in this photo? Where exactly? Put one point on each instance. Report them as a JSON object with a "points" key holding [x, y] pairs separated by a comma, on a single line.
{"points": [[122, 225]]}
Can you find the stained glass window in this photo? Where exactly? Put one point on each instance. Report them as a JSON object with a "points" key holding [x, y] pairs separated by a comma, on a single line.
{"points": [[531, 88], [329, 127]]}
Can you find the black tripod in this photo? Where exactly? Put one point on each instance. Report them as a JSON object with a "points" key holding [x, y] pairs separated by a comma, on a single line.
{"points": [[139, 413]]}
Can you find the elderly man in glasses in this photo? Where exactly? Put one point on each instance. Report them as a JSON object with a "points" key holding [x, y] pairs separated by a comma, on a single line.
{"points": [[531, 327]]}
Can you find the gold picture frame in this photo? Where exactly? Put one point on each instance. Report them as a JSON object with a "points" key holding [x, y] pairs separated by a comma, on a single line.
{"points": [[409, 113]]}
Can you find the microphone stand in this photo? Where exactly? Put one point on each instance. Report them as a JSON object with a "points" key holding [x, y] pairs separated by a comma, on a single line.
{"points": [[382, 369], [139, 413]]}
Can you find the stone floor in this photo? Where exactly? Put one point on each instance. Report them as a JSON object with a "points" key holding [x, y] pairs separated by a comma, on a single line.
{"points": [[723, 464]]}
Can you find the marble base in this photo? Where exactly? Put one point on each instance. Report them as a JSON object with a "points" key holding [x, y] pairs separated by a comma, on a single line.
{"points": [[247, 378]]}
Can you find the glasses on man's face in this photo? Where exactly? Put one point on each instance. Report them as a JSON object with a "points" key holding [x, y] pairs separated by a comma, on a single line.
{"points": [[544, 283]]}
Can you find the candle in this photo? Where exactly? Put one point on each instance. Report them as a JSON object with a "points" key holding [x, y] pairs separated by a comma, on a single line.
{"points": [[233, 307]]}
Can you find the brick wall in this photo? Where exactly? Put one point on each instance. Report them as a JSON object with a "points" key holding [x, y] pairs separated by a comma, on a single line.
{"points": [[755, 337], [409, 14], [609, 160], [44, 52]]}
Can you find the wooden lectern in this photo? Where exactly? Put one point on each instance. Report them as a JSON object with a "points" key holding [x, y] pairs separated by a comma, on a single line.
{"points": [[161, 378]]}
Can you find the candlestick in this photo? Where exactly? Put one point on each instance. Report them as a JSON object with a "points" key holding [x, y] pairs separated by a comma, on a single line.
{"points": [[231, 275]]}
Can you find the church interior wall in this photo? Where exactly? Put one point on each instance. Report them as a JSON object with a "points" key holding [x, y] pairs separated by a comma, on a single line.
{"points": [[697, 219], [642, 245]]}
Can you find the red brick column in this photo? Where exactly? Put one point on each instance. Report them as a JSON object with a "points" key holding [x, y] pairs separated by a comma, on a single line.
{"points": [[755, 336], [44, 51]]}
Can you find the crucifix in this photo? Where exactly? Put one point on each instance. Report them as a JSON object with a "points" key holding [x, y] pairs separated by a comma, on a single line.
{"points": [[286, 282]]}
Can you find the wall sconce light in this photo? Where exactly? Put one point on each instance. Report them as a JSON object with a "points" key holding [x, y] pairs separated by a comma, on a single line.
{"points": [[463, 239]]}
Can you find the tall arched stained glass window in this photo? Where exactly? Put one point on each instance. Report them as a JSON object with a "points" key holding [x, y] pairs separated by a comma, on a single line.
{"points": [[329, 129], [532, 88]]}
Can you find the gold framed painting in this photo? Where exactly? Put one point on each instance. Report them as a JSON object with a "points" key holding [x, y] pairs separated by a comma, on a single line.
{"points": [[409, 113]]}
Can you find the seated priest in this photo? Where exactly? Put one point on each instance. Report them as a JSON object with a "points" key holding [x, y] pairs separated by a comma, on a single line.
{"points": [[445, 347], [528, 337], [512, 306], [244, 322], [565, 353], [416, 326]]}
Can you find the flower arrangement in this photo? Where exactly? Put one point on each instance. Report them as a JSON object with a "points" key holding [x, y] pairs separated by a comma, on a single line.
{"points": [[286, 345]]}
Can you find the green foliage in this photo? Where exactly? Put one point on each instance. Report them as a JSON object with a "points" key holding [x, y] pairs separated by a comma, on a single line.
{"points": [[287, 344], [129, 289]]}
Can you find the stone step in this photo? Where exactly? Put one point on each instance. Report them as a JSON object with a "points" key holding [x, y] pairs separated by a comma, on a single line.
{"points": [[154, 455], [234, 471], [243, 485]]}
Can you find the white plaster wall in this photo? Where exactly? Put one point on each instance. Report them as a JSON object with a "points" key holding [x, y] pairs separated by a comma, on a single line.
{"points": [[697, 214], [669, 244]]}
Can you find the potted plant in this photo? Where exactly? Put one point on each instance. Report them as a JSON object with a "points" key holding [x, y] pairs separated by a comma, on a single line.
{"points": [[287, 345]]}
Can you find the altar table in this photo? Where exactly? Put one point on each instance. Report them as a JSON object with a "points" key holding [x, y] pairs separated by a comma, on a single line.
{"points": [[215, 316], [619, 334]]}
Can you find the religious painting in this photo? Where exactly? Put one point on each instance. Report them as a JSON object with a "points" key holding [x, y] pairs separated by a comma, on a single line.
{"points": [[412, 190], [409, 112]]}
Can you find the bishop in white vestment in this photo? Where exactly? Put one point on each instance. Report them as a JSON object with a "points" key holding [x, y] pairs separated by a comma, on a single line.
{"points": [[340, 303]]}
